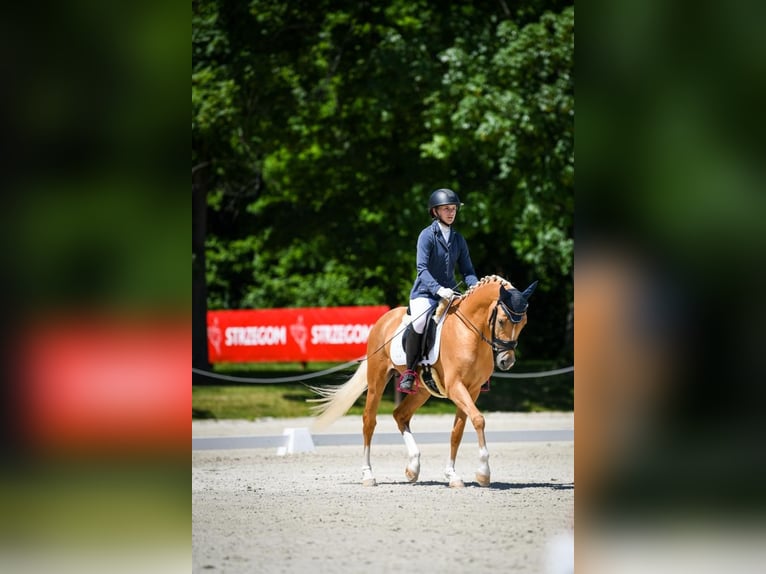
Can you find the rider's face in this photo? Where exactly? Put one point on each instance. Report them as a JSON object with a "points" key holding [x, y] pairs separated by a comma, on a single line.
{"points": [[447, 213]]}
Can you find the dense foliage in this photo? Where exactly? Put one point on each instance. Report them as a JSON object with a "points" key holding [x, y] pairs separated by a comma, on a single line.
{"points": [[319, 129]]}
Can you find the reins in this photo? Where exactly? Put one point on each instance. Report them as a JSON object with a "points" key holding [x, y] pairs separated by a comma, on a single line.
{"points": [[496, 343]]}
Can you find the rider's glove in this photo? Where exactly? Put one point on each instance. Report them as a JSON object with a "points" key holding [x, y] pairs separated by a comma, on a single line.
{"points": [[445, 293]]}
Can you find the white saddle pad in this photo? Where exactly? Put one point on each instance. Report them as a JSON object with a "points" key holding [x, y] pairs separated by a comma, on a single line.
{"points": [[396, 351]]}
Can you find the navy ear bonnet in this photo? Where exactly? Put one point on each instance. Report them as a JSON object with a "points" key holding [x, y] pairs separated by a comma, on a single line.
{"points": [[515, 301]]}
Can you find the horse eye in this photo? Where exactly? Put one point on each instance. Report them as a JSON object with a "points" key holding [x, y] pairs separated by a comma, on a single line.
{"points": [[502, 322]]}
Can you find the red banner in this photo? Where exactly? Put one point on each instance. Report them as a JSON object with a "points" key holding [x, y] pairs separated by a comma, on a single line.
{"points": [[307, 334], [104, 386]]}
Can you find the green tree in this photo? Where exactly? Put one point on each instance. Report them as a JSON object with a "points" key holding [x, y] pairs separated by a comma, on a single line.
{"points": [[505, 117], [320, 128]]}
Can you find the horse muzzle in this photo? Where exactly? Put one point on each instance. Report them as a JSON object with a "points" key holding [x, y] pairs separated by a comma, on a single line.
{"points": [[505, 360]]}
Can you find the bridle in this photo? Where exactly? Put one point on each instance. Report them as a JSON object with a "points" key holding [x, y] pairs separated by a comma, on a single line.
{"points": [[498, 345]]}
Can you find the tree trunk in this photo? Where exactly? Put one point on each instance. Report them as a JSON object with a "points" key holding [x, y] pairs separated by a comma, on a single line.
{"points": [[199, 285]]}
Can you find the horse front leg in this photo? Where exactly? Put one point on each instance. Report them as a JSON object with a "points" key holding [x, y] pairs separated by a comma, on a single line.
{"points": [[368, 479], [458, 427], [402, 415], [462, 398], [370, 421]]}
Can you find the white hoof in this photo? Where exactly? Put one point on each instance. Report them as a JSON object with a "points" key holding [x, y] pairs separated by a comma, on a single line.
{"points": [[367, 477], [482, 479], [412, 471], [453, 479]]}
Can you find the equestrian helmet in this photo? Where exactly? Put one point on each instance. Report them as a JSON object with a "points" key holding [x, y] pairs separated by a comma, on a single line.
{"points": [[443, 197]]}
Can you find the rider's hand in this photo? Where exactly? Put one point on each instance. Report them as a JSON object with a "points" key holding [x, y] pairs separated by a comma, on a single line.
{"points": [[445, 293]]}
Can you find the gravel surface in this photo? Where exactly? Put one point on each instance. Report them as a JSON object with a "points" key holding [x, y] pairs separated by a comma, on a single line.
{"points": [[256, 511]]}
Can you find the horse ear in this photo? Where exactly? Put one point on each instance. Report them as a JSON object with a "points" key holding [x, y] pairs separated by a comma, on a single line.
{"points": [[529, 290]]}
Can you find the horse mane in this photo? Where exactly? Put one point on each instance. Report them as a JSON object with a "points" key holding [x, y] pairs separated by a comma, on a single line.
{"points": [[442, 307], [484, 281]]}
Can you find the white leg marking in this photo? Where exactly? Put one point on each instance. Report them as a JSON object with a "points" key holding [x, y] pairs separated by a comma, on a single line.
{"points": [[452, 477], [482, 473], [413, 452], [367, 477]]}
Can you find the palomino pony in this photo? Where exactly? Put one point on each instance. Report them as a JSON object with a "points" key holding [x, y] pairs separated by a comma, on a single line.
{"points": [[480, 331]]}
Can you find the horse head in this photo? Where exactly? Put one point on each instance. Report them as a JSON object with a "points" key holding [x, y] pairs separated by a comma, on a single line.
{"points": [[508, 319]]}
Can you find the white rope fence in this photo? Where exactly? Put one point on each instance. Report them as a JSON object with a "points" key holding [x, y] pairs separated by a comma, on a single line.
{"points": [[534, 375], [299, 378], [295, 379]]}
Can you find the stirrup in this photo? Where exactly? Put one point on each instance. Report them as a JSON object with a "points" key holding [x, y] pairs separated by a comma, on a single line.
{"points": [[415, 383]]}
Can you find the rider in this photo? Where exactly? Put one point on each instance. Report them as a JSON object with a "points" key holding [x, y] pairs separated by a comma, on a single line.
{"points": [[440, 250]]}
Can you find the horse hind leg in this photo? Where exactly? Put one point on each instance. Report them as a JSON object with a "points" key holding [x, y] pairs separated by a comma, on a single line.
{"points": [[402, 415], [482, 473], [368, 479], [412, 470], [453, 478], [370, 421]]}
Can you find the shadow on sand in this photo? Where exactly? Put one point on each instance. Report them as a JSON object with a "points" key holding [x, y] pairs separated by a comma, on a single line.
{"points": [[492, 486]]}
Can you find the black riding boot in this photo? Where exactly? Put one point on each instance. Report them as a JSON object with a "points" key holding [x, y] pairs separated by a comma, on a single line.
{"points": [[412, 349]]}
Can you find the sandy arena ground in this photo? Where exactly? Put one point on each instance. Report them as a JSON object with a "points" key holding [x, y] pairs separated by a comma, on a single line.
{"points": [[254, 511]]}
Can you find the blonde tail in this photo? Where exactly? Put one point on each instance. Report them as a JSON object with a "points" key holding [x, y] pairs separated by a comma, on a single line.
{"points": [[334, 402]]}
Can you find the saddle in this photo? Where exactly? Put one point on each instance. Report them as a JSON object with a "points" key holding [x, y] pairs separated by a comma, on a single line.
{"points": [[434, 316], [429, 334]]}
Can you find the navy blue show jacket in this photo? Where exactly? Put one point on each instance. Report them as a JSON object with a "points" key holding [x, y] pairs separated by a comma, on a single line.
{"points": [[436, 262]]}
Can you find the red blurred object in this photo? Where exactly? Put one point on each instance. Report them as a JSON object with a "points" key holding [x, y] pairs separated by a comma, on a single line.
{"points": [[106, 386]]}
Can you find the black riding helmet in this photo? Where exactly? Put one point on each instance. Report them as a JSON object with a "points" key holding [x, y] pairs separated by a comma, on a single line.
{"points": [[443, 197]]}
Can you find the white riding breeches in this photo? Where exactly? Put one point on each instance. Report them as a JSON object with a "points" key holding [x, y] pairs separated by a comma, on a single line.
{"points": [[419, 312]]}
